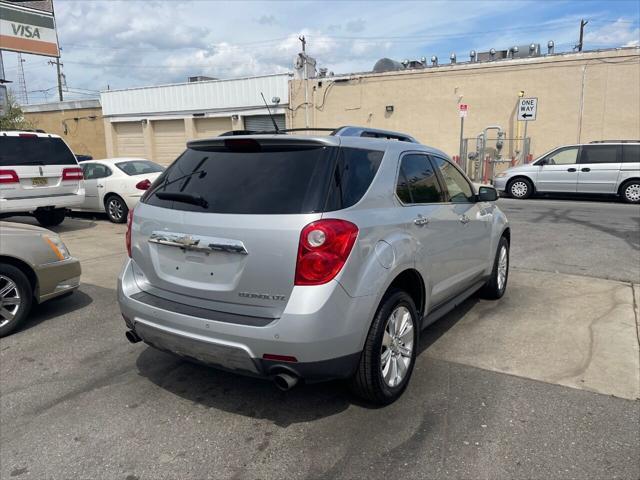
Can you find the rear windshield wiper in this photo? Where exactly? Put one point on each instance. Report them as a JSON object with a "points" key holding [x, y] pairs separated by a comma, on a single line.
{"points": [[184, 198]]}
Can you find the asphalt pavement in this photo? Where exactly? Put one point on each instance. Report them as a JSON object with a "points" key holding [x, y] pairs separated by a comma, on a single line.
{"points": [[528, 387]]}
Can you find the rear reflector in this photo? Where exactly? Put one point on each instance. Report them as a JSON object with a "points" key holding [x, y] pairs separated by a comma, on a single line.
{"points": [[9, 176], [143, 184], [279, 358], [74, 173]]}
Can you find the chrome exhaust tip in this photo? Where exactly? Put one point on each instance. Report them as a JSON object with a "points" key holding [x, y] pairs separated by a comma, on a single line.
{"points": [[285, 381]]}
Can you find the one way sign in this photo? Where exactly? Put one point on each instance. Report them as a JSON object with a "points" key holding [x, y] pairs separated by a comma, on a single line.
{"points": [[527, 108]]}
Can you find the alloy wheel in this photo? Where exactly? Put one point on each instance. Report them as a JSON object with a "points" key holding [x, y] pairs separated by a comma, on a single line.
{"points": [[10, 300], [503, 265], [397, 346], [115, 209]]}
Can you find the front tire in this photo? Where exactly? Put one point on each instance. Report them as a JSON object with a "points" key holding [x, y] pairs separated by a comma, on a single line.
{"points": [[389, 352], [116, 209], [520, 188], [50, 218], [16, 297], [630, 191], [497, 283]]}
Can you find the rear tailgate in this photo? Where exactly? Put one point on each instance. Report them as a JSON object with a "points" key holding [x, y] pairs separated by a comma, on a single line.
{"points": [[39, 163], [235, 248]]}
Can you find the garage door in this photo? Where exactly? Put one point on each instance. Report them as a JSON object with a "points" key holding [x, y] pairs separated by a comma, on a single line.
{"points": [[169, 140], [129, 139], [259, 123], [212, 127]]}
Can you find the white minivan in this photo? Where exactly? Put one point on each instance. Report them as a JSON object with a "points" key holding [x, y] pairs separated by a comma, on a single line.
{"points": [[39, 175]]}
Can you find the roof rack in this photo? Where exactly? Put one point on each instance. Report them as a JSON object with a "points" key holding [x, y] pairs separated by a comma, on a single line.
{"points": [[349, 131], [615, 141], [346, 131]]}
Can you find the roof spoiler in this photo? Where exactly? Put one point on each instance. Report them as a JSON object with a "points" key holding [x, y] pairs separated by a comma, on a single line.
{"points": [[346, 131]]}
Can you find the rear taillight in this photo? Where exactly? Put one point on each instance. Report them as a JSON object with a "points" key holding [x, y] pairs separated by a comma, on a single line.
{"points": [[324, 248], [143, 184], [9, 176], [127, 237], [74, 173]]}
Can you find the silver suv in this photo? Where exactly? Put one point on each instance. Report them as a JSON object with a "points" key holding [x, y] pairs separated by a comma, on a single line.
{"points": [[309, 257], [603, 167]]}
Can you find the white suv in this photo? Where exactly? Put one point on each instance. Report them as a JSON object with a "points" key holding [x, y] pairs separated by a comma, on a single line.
{"points": [[38, 175]]}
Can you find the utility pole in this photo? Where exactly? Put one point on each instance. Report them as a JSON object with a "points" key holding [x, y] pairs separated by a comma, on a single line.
{"points": [[583, 23], [306, 81], [58, 65]]}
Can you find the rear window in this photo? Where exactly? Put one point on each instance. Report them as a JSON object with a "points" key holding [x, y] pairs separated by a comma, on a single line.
{"points": [[631, 153], [277, 179], [17, 151], [139, 167]]}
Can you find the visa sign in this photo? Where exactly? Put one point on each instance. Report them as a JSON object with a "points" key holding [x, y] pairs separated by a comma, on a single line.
{"points": [[27, 31]]}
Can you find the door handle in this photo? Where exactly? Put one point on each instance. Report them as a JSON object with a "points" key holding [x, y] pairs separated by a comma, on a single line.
{"points": [[100, 186], [585, 170], [464, 219], [420, 220], [571, 169]]}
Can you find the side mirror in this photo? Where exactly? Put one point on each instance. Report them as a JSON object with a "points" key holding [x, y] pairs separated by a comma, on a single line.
{"points": [[487, 194]]}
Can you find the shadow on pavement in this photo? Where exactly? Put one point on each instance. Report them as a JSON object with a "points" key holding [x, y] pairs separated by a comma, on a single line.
{"points": [[70, 223], [259, 398], [242, 395], [56, 307]]}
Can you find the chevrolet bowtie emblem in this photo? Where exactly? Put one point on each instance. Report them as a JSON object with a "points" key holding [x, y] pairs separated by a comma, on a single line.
{"points": [[187, 241]]}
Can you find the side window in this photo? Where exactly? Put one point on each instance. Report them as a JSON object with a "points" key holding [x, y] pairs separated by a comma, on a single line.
{"points": [[566, 156], [599, 154], [93, 171], [631, 153], [460, 190], [417, 181]]}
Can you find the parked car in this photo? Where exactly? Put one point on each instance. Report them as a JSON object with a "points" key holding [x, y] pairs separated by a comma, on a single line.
{"points": [[309, 257], [114, 185], [35, 266], [38, 175], [610, 167]]}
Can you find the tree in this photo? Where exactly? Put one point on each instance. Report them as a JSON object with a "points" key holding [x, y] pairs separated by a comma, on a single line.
{"points": [[14, 120]]}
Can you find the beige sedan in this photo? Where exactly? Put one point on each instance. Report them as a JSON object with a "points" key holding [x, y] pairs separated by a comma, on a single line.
{"points": [[35, 266]]}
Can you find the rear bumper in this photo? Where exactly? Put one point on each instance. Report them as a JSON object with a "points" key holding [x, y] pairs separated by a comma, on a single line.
{"points": [[324, 334], [30, 204]]}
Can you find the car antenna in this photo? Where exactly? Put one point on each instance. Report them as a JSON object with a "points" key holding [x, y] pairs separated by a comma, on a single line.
{"points": [[275, 125]]}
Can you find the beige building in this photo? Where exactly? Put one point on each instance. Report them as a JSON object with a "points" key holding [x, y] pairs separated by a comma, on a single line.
{"points": [[581, 97], [79, 122]]}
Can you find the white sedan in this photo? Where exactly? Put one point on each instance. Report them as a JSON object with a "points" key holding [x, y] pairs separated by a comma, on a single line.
{"points": [[114, 185]]}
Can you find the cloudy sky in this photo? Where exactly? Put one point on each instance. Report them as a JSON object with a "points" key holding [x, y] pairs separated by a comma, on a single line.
{"points": [[119, 44]]}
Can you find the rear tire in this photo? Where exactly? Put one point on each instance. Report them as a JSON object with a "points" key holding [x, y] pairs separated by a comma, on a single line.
{"points": [[116, 209], [389, 354], [497, 283], [16, 298], [630, 191], [520, 188], [50, 218]]}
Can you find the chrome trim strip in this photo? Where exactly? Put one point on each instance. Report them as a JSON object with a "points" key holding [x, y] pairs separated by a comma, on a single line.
{"points": [[190, 242]]}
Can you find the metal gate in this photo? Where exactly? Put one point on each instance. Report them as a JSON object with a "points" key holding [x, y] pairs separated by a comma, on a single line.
{"points": [[483, 157], [261, 123]]}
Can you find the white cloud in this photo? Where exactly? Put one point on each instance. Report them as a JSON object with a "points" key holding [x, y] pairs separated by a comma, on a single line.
{"points": [[620, 33]]}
